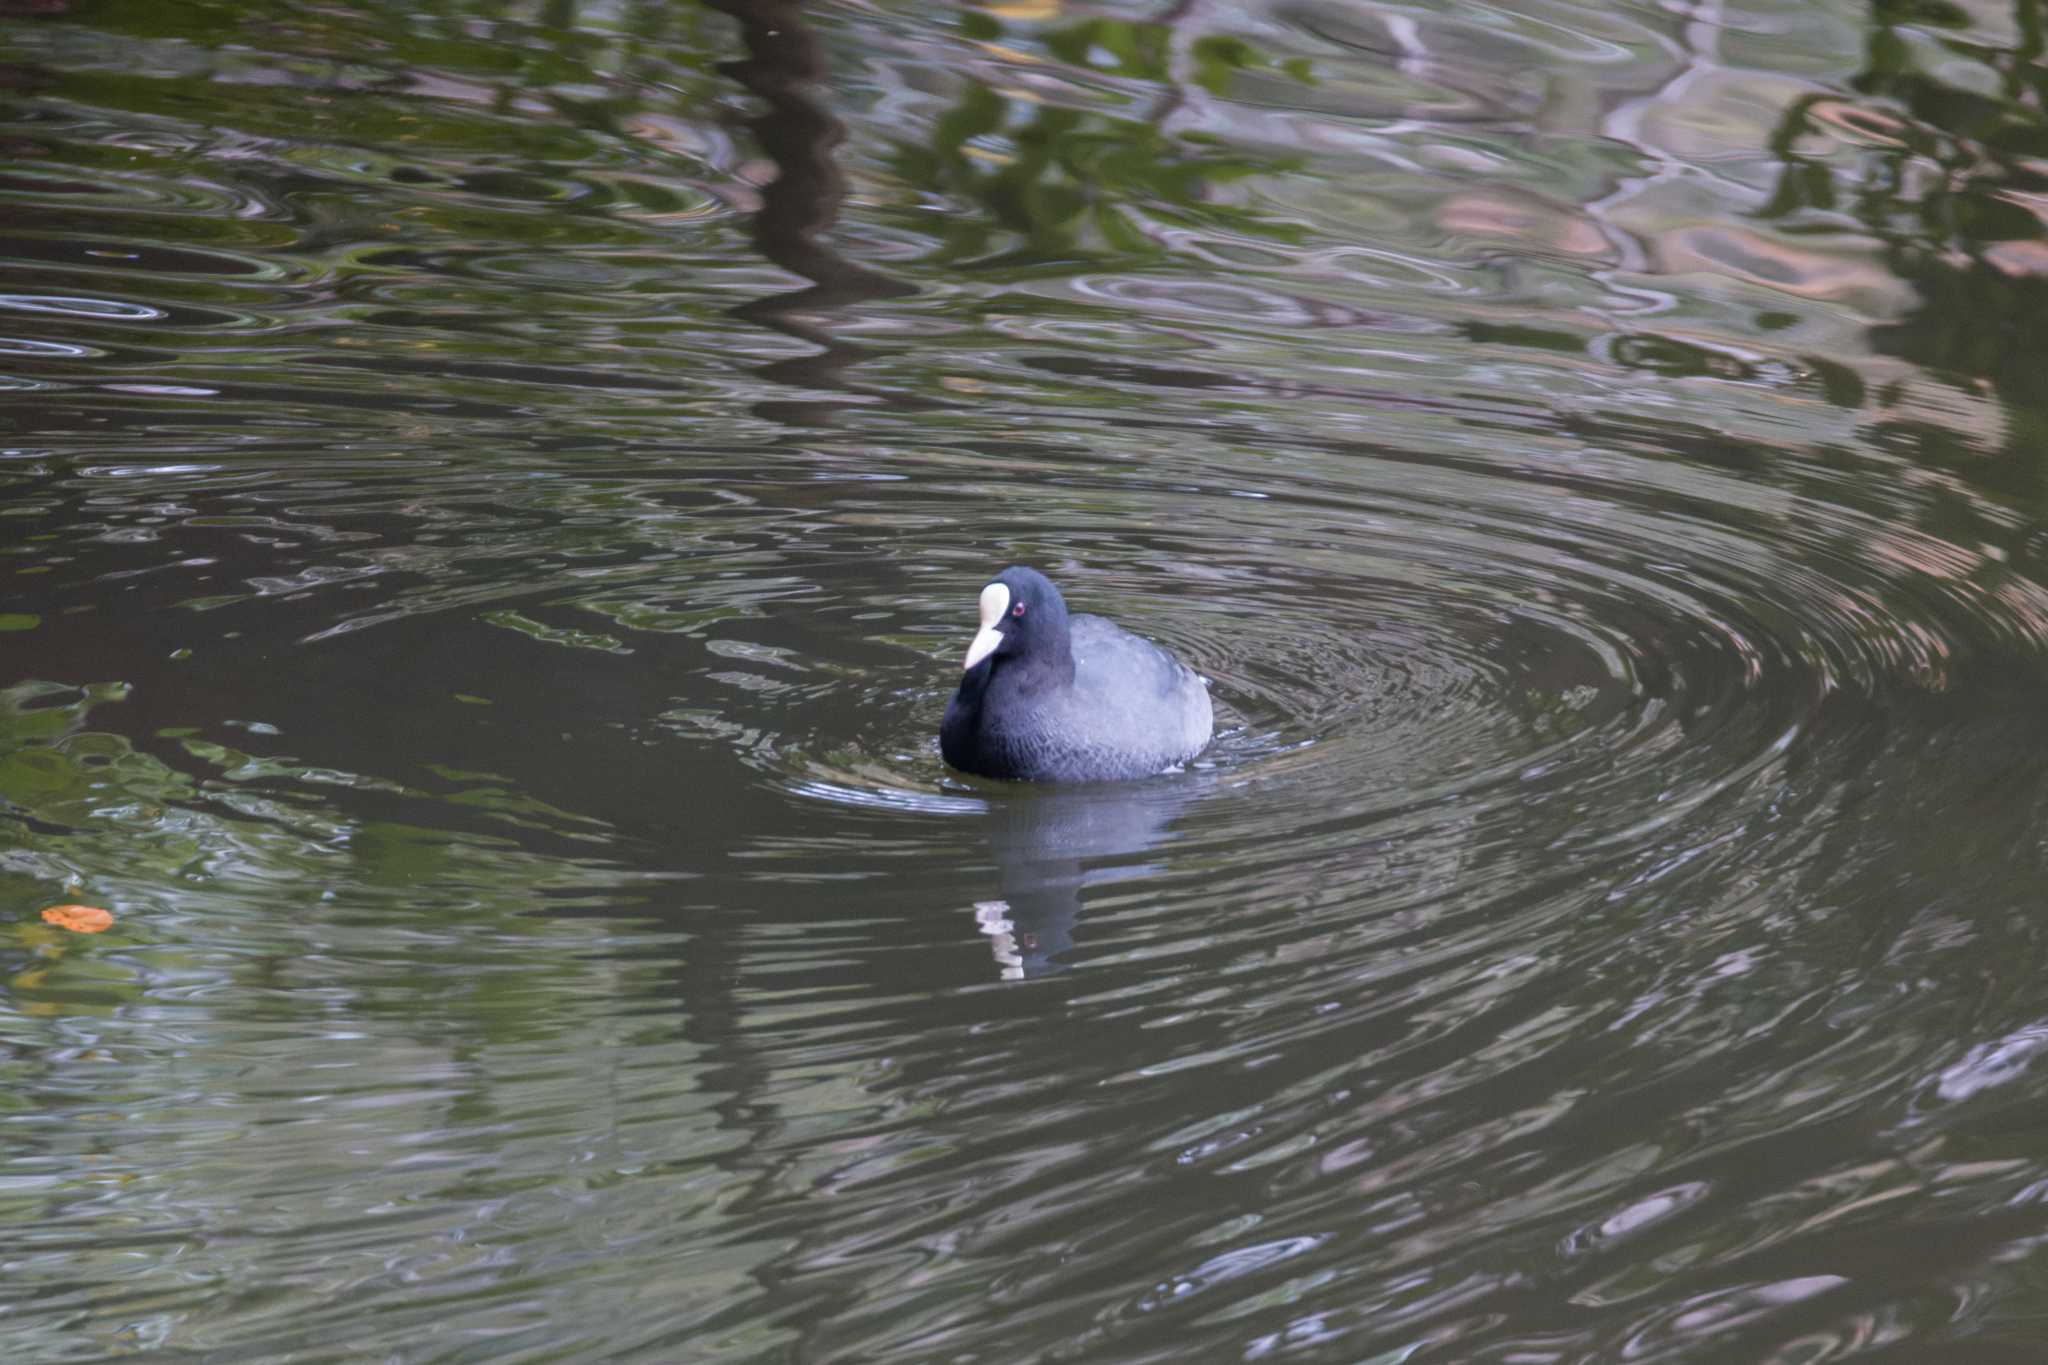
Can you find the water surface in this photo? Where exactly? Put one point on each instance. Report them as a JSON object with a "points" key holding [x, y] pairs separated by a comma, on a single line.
{"points": [[494, 499]]}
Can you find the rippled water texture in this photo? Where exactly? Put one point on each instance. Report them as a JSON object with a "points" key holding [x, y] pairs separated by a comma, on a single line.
{"points": [[493, 502]]}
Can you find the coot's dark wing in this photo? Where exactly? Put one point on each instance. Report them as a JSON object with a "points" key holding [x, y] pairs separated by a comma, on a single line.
{"points": [[1133, 706], [1109, 659]]}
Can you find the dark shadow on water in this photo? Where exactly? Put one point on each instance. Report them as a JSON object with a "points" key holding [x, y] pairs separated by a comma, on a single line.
{"points": [[785, 65]]}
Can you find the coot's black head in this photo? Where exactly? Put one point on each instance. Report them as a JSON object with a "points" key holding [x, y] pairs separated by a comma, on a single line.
{"points": [[1023, 619]]}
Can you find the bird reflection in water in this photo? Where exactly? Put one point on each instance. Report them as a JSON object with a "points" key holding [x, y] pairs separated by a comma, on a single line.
{"points": [[1053, 844]]}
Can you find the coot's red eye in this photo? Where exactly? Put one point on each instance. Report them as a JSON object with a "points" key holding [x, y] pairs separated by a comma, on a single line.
{"points": [[1017, 610]]}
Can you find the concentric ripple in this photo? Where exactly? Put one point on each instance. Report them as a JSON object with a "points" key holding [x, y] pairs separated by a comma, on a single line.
{"points": [[1380, 634]]}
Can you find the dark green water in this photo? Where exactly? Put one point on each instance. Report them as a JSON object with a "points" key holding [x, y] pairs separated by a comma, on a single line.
{"points": [[492, 498]]}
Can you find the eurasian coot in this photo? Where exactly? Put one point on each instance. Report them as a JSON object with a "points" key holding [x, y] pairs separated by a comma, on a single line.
{"points": [[1048, 697]]}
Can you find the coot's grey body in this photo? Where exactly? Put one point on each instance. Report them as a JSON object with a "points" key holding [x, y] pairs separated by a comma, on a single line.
{"points": [[1051, 698]]}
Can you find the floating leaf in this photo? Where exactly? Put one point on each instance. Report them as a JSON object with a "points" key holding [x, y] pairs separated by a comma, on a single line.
{"points": [[79, 919], [579, 639]]}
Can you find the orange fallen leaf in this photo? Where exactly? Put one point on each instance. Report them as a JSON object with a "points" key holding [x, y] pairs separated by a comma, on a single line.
{"points": [[79, 919]]}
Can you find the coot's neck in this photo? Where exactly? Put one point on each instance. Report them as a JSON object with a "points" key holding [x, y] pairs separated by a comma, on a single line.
{"points": [[1049, 663], [1048, 666], [1027, 673]]}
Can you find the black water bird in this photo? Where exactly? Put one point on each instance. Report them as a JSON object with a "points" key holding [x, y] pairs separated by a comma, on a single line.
{"points": [[1048, 697]]}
